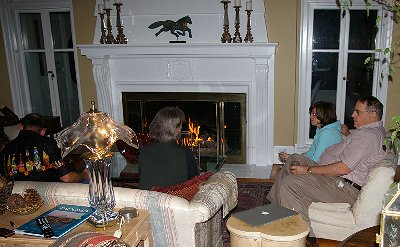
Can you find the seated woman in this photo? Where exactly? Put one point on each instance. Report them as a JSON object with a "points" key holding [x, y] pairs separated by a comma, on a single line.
{"points": [[323, 116], [163, 162]]}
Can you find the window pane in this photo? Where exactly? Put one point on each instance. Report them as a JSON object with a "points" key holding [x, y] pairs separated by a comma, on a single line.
{"points": [[326, 29], [324, 79], [359, 84], [38, 83], [61, 30], [324, 76], [31, 31], [67, 87], [362, 30]]}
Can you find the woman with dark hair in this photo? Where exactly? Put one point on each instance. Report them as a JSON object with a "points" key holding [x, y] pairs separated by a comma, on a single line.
{"points": [[323, 116], [163, 162]]}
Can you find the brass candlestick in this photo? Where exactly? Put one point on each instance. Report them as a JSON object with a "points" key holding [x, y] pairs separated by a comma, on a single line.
{"points": [[121, 38], [249, 36], [103, 38], [110, 37], [226, 36], [237, 38]]}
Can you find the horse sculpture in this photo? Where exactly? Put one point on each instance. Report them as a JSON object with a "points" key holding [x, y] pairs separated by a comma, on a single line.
{"points": [[177, 28]]}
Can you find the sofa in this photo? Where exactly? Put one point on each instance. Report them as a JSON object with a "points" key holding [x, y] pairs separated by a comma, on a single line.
{"points": [[337, 221], [174, 220]]}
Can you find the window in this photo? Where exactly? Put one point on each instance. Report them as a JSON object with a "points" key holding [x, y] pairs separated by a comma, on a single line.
{"points": [[43, 70], [334, 46]]}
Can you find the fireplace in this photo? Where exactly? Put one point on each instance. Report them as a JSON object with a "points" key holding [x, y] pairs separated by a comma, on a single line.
{"points": [[216, 122], [149, 66]]}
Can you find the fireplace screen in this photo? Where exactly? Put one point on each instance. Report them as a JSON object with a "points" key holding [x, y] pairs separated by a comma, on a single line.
{"points": [[215, 122]]}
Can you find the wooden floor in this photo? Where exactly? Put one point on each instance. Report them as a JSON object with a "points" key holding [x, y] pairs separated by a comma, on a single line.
{"points": [[327, 243]]}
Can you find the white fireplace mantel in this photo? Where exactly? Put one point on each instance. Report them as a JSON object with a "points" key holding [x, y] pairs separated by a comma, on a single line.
{"points": [[218, 68]]}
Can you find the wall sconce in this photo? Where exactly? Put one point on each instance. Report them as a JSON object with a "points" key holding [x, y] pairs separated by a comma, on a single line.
{"points": [[97, 132]]}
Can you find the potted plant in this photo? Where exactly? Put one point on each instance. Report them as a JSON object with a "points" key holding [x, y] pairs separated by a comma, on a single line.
{"points": [[395, 135]]}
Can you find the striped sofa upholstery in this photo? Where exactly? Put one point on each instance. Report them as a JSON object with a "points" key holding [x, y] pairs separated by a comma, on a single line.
{"points": [[174, 220]]}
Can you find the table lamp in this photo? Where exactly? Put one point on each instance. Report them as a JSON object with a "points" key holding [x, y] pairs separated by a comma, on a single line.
{"points": [[96, 132], [390, 219]]}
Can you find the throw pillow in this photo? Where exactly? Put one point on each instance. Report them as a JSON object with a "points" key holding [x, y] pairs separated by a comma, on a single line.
{"points": [[186, 189]]}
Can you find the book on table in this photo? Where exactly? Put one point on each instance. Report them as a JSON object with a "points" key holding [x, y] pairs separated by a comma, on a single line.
{"points": [[63, 218], [264, 214]]}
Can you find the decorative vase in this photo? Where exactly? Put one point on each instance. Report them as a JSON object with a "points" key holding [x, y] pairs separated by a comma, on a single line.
{"points": [[101, 192]]}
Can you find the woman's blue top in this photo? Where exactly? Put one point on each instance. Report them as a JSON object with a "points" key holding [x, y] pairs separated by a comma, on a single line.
{"points": [[325, 137]]}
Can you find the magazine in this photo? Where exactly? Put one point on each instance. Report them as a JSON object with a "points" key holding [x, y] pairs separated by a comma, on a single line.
{"points": [[63, 218]]}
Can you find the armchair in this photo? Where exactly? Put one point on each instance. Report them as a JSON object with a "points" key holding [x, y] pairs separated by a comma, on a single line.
{"points": [[337, 221]]}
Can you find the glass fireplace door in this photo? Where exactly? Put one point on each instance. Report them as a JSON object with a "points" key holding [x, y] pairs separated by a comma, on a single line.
{"points": [[215, 122]]}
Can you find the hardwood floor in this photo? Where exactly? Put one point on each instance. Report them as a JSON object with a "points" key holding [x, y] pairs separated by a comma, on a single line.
{"points": [[327, 243]]}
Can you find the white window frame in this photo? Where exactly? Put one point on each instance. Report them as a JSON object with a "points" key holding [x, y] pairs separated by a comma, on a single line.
{"points": [[18, 83], [384, 40]]}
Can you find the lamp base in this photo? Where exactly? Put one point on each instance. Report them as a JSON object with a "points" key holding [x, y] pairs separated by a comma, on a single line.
{"points": [[99, 220]]}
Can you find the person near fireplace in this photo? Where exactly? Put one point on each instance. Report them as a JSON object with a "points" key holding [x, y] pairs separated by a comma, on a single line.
{"points": [[34, 157], [322, 116], [163, 162], [341, 170]]}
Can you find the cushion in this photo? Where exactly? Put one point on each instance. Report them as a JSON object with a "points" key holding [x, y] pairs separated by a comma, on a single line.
{"points": [[186, 189]]}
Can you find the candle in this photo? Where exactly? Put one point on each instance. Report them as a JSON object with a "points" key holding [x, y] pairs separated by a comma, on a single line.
{"points": [[117, 1], [238, 3], [248, 5], [101, 8], [107, 4]]}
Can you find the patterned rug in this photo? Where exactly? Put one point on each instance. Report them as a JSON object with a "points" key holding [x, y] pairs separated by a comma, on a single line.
{"points": [[250, 195]]}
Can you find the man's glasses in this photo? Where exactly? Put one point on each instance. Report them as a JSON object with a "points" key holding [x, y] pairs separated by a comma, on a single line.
{"points": [[361, 111]]}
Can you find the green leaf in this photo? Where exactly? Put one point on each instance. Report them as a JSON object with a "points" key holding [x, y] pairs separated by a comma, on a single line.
{"points": [[378, 20], [378, 50], [387, 50], [366, 61]]}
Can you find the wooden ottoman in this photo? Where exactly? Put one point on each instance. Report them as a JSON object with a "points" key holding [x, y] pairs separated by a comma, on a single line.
{"points": [[288, 232]]}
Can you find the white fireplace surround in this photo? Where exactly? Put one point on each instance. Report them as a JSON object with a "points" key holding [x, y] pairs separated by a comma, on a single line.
{"points": [[208, 68], [202, 65]]}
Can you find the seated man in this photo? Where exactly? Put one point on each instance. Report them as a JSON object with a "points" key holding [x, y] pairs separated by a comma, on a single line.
{"points": [[32, 156], [341, 169]]}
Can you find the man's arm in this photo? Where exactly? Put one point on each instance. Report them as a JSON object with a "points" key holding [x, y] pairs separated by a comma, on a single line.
{"points": [[333, 170], [74, 177]]}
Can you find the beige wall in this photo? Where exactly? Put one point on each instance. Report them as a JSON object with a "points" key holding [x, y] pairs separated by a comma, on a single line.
{"points": [[282, 22], [393, 99], [84, 29]]}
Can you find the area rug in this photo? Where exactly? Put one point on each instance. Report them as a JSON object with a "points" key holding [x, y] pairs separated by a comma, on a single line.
{"points": [[250, 195]]}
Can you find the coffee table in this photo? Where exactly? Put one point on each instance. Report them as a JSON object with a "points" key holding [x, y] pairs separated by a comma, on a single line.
{"points": [[135, 231], [288, 232]]}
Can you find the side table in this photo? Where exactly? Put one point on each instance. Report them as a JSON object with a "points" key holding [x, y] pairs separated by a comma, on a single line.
{"points": [[134, 231], [288, 232]]}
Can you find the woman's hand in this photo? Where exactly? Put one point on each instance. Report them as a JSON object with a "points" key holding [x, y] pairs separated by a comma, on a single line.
{"points": [[345, 130], [283, 156]]}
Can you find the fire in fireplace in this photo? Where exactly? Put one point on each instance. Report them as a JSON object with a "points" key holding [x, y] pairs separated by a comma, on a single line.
{"points": [[216, 122]]}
